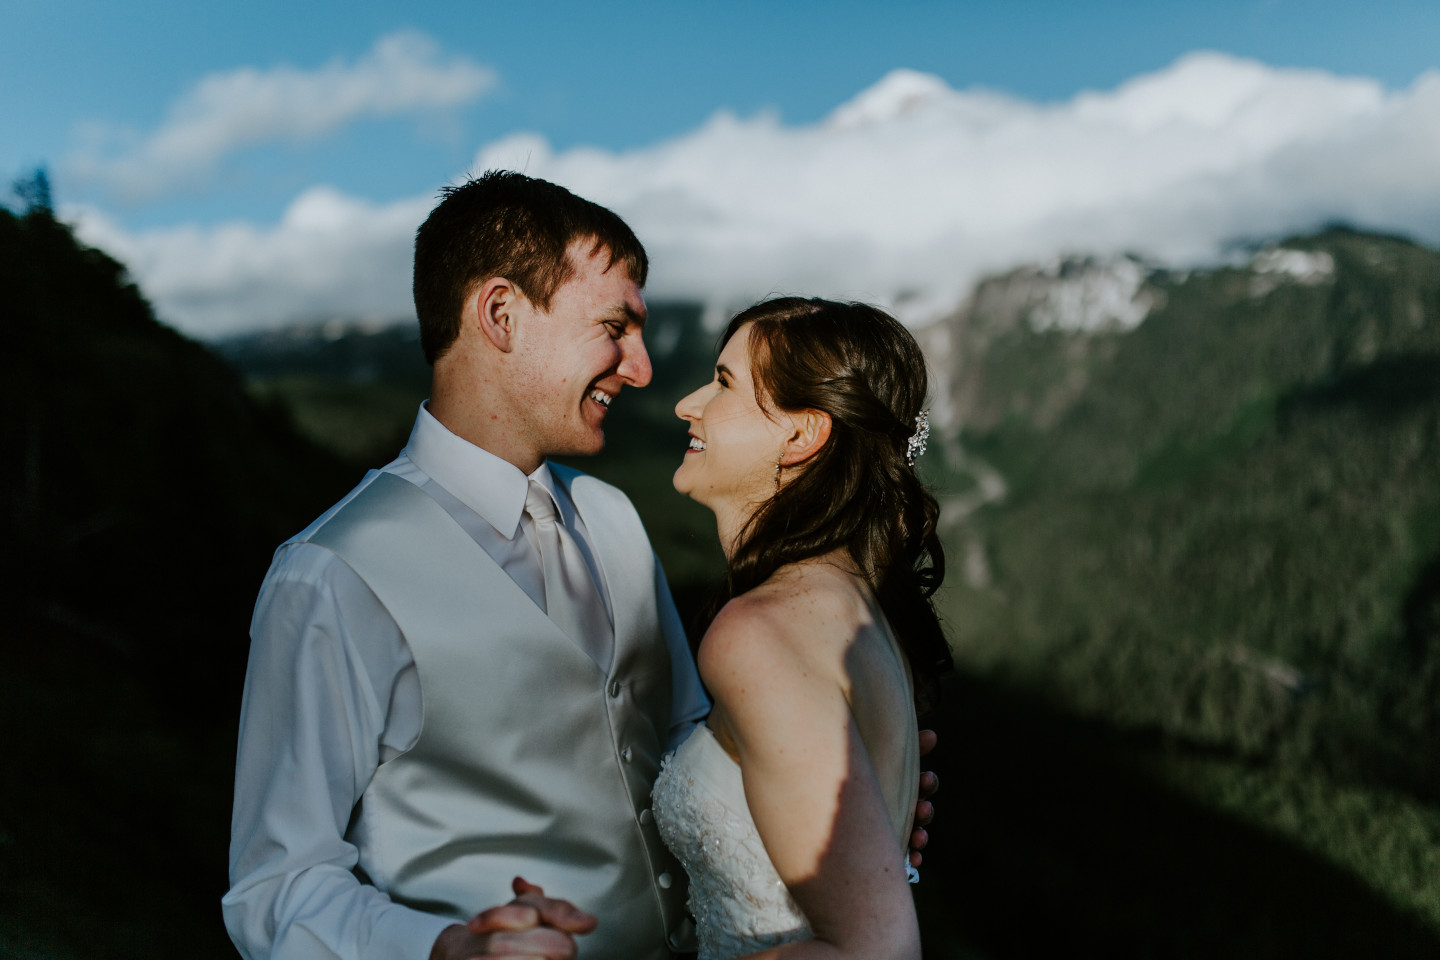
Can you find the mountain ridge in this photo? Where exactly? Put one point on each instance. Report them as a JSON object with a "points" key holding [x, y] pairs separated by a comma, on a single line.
{"points": [[1248, 427]]}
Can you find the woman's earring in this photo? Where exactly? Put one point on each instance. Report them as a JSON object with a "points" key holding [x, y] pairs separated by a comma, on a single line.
{"points": [[777, 476]]}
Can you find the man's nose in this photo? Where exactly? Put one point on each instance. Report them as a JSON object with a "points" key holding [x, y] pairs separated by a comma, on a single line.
{"points": [[635, 362]]}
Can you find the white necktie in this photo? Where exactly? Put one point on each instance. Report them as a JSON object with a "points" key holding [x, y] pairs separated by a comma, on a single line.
{"points": [[572, 600]]}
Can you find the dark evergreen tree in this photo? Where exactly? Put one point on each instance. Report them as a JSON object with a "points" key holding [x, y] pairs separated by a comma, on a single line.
{"points": [[33, 191]]}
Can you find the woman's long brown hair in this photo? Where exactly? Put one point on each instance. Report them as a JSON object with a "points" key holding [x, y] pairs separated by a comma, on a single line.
{"points": [[857, 493]]}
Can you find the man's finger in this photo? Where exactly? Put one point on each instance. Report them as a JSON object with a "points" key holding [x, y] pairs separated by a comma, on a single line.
{"points": [[928, 739], [560, 914], [929, 783], [521, 886], [924, 813], [918, 839], [915, 858], [563, 915], [542, 942], [510, 916]]}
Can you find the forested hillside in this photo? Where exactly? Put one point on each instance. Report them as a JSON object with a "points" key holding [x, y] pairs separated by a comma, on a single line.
{"points": [[1220, 532], [144, 494]]}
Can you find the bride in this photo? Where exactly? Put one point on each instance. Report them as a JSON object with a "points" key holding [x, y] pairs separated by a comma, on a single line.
{"points": [[791, 806]]}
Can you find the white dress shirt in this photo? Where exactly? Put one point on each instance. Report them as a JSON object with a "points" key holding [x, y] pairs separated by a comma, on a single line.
{"points": [[332, 692]]}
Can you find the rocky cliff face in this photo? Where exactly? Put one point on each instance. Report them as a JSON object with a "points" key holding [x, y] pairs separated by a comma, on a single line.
{"points": [[1078, 300]]}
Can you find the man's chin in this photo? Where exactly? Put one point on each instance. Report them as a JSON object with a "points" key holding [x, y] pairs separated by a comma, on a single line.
{"points": [[587, 446]]}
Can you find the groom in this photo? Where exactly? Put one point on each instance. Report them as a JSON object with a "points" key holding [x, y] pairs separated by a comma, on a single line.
{"points": [[468, 669]]}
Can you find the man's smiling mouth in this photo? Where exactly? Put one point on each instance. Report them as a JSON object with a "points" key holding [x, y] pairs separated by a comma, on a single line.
{"points": [[601, 397]]}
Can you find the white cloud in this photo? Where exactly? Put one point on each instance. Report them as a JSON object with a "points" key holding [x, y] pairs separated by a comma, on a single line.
{"points": [[904, 196], [403, 72], [330, 255], [911, 190]]}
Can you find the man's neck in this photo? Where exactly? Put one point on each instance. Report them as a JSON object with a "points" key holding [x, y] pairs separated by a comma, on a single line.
{"points": [[482, 421]]}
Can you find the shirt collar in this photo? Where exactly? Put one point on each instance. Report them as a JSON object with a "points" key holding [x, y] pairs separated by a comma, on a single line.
{"points": [[494, 488]]}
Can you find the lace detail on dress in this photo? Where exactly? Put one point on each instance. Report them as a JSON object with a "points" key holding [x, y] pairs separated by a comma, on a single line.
{"points": [[739, 902]]}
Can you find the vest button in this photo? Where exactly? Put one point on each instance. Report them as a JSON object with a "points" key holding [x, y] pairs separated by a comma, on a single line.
{"points": [[625, 754], [615, 689], [664, 881], [646, 816]]}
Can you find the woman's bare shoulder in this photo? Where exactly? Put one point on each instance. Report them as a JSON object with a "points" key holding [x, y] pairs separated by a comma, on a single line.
{"points": [[802, 618]]}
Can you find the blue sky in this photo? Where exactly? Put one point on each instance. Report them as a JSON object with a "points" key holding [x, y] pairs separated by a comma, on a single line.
{"points": [[86, 83], [623, 75]]}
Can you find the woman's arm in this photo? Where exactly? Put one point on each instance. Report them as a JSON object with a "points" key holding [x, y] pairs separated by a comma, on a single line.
{"points": [[776, 670]]}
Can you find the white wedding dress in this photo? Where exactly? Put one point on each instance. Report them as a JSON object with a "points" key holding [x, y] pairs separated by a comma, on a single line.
{"points": [[739, 902]]}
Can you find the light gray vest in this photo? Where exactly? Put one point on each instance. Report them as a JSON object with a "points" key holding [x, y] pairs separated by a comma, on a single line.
{"points": [[531, 760]]}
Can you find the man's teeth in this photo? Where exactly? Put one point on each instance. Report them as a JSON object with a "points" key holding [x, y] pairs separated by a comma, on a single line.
{"points": [[601, 397], [697, 444]]}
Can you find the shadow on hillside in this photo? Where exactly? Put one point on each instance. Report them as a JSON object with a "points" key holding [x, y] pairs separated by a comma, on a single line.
{"points": [[1051, 842], [114, 824]]}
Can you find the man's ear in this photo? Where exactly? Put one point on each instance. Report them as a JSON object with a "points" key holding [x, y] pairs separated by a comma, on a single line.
{"points": [[493, 308], [810, 429]]}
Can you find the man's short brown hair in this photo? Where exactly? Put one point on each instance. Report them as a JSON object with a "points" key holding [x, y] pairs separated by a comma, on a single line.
{"points": [[505, 224]]}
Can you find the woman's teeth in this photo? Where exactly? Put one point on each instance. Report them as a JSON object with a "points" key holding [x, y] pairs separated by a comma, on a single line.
{"points": [[697, 444]]}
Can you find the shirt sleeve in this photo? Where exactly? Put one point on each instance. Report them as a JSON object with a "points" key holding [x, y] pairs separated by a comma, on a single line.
{"points": [[325, 656], [688, 702]]}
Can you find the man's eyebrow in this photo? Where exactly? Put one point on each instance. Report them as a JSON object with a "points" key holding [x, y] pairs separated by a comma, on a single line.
{"points": [[628, 313]]}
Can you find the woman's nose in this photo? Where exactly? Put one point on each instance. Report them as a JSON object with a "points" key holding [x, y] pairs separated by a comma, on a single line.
{"points": [[689, 406]]}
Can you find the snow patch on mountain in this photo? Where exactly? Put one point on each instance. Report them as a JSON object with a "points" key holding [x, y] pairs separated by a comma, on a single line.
{"points": [[1088, 295], [1302, 266]]}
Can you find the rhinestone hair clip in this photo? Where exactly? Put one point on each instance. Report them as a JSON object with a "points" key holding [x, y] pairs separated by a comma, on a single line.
{"points": [[915, 446]]}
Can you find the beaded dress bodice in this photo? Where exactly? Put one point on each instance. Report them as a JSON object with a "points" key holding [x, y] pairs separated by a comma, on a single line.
{"points": [[739, 902]]}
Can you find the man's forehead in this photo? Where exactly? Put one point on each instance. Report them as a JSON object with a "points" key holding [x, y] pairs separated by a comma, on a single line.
{"points": [[582, 249], [593, 262]]}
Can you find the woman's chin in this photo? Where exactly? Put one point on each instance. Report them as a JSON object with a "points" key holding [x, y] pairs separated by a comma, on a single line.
{"points": [[678, 481], [685, 487]]}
